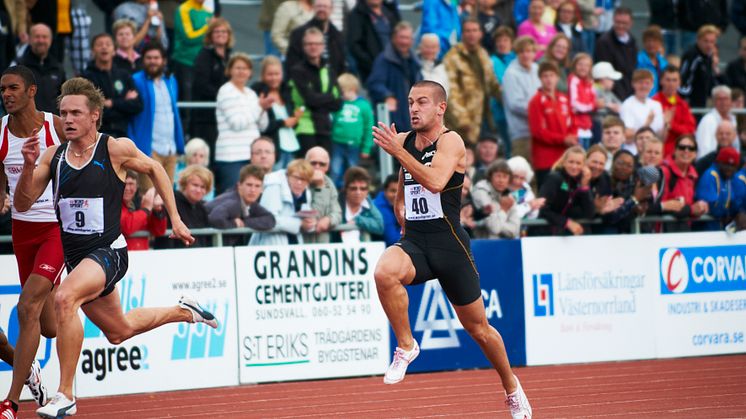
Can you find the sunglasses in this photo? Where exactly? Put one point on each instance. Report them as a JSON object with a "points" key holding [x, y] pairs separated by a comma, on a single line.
{"points": [[319, 163], [686, 147]]}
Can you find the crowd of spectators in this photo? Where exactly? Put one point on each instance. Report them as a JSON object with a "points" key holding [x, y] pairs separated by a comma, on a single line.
{"points": [[564, 117]]}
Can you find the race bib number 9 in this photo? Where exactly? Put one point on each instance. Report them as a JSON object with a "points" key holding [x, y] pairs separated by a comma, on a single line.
{"points": [[421, 204], [82, 215]]}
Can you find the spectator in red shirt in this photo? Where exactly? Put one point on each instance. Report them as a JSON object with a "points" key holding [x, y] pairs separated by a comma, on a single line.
{"points": [[582, 96], [677, 117], [149, 215], [551, 122]]}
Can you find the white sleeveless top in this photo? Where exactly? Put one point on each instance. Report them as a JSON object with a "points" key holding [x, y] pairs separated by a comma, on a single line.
{"points": [[10, 154]]}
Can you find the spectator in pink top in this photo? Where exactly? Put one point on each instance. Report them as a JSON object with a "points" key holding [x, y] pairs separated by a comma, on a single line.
{"points": [[534, 27]]}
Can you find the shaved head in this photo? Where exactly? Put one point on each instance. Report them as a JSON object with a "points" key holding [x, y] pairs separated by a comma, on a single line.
{"points": [[437, 92]]}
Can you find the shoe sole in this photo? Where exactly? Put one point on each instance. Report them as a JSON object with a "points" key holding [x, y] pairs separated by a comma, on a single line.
{"points": [[207, 317], [65, 412], [389, 381]]}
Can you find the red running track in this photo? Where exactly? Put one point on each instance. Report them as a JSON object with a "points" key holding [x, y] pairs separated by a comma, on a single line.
{"points": [[709, 387]]}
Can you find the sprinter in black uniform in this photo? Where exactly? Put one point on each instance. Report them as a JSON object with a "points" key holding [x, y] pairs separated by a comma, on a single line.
{"points": [[433, 243], [88, 182]]}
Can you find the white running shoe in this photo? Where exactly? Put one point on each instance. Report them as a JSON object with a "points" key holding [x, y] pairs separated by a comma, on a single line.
{"points": [[399, 365], [38, 391], [59, 406], [199, 314], [518, 403]]}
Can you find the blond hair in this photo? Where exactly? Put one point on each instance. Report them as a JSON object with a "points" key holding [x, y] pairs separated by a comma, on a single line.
{"points": [[216, 23], [576, 149], [201, 172], [300, 168], [121, 24], [707, 30], [347, 82], [78, 86], [269, 61], [524, 42]]}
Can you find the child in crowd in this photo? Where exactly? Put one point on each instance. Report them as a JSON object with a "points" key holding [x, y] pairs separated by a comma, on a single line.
{"points": [[612, 138], [352, 137], [639, 110], [582, 96], [607, 102]]}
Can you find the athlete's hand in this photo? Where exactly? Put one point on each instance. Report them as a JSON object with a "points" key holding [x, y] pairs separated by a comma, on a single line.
{"points": [[30, 149], [181, 232], [385, 137]]}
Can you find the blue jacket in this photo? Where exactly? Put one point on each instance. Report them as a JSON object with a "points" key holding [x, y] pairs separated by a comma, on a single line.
{"points": [[140, 129], [500, 64], [725, 197], [644, 62], [388, 78], [391, 227], [441, 18]]}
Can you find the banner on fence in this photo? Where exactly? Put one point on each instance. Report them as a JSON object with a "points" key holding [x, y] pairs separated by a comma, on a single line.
{"points": [[588, 299], [309, 312], [444, 343], [46, 355], [701, 297], [175, 356]]}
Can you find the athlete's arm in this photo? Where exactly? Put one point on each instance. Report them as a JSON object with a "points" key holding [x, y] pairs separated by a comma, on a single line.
{"points": [[126, 155], [434, 177], [58, 127], [34, 179], [399, 201]]}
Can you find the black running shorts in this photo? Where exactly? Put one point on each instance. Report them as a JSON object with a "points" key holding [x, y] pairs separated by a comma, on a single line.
{"points": [[447, 257], [114, 262]]}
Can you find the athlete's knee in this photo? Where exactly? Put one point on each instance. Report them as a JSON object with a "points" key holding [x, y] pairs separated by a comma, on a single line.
{"points": [[65, 303], [480, 331], [29, 309]]}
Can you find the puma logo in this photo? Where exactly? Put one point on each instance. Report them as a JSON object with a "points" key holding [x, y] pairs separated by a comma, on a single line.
{"points": [[99, 164]]}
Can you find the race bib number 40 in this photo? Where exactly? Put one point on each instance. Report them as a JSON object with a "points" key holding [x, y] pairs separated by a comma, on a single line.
{"points": [[82, 215], [421, 204]]}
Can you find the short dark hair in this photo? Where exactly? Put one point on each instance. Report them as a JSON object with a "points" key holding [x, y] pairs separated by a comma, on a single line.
{"points": [[154, 46], [24, 73], [393, 178], [645, 129], [546, 66], [250, 171], [498, 166], [503, 30], [671, 69], [612, 121], [99, 36], [622, 10], [440, 92], [131, 174], [356, 174]]}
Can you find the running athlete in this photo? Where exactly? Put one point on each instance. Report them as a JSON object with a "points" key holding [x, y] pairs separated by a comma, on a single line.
{"points": [[433, 243], [88, 175], [36, 234]]}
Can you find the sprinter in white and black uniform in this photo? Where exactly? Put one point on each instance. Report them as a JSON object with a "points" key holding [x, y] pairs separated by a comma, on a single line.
{"points": [[435, 240], [433, 243], [88, 177], [88, 205]]}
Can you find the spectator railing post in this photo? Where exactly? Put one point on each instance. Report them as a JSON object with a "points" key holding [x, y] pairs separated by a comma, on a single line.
{"points": [[217, 239], [385, 161], [636, 225]]}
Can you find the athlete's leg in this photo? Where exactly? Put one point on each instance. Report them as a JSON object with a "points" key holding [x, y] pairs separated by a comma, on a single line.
{"points": [[34, 294], [393, 271], [83, 284], [474, 319], [106, 313], [6, 351]]}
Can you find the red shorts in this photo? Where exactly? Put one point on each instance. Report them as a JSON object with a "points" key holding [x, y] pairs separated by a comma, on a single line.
{"points": [[38, 250]]}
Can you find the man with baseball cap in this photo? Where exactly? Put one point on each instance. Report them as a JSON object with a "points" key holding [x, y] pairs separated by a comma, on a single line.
{"points": [[723, 187]]}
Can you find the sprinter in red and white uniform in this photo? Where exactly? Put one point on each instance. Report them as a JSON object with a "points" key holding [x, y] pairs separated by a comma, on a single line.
{"points": [[36, 233]]}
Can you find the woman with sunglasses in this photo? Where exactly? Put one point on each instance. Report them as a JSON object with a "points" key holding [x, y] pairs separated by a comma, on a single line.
{"points": [[680, 181]]}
